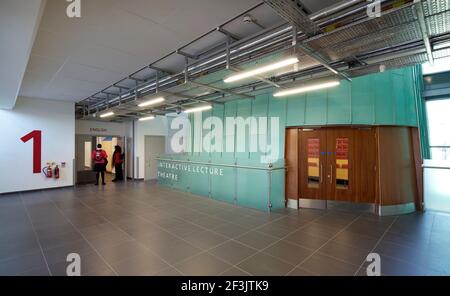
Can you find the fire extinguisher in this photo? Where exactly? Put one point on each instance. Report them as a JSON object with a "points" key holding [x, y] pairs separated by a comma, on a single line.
{"points": [[56, 172], [48, 171]]}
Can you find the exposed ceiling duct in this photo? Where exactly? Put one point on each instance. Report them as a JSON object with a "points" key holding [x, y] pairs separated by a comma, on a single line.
{"points": [[340, 41]]}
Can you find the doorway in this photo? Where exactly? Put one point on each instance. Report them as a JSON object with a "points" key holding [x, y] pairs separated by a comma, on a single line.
{"points": [[331, 164], [154, 147], [437, 169], [85, 144]]}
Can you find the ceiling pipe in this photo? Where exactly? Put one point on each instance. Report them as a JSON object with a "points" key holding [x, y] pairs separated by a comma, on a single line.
{"points": [[244, 42], [334, 8]]}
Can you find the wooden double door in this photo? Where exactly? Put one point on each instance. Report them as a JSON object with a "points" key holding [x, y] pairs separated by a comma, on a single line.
{"points": [[336, 163]]}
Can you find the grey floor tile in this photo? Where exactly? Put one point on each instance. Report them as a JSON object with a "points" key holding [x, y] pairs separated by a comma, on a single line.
{"points": [[234, 272], [169, 272], [230, 230], [324, 265], [345, 253], [232, 252], [60, 253], [202, 265], [356, 240], [301, 272], [175, 250], [288, 252], [153, 224], [91, 264], [55, 240], [274, 230], [97, 230], [22, 264], [265, 265], [256, 240], [307, 240], [123, 251], [109, 239], [138, 265], [316, 229], [205, 240], [39, 271], [393, 267]]}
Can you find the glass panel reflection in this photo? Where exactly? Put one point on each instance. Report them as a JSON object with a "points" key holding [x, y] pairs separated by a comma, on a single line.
{"points": [[313, 147], [342, 163]]}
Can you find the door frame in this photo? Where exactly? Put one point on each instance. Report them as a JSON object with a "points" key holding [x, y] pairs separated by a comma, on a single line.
{"points": [[94, 143], [145, 150], [322, 203]]}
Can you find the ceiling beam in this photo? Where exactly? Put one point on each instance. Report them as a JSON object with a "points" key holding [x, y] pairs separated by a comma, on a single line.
{"points": [[228, 34], [181, 96], [258, 77], [424, 30], [292, 12], [222, 90]]}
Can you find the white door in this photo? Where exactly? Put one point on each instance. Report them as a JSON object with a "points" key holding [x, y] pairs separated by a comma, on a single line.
{"points": [[154, 147]]}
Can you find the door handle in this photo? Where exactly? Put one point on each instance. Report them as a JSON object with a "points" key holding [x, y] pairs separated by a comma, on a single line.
{"points": [[331, 174], [321, 174]]}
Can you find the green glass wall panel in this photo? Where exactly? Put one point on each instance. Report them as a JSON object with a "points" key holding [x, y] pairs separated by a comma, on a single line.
{"points": [[277, 198], [399, 97], [244, 111], [363, 101], [383, 90], [387, 98], [339, 104], [316, 108], [296, 106], [277, 109], [223, 187], [252, 189]]}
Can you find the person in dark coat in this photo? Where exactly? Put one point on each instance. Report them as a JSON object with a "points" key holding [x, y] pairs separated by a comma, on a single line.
{"points": [[117, 163]]}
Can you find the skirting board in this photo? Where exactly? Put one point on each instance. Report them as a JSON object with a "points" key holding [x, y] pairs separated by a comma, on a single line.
{"points": [[292, 204], [312, 204], [397, 209]]}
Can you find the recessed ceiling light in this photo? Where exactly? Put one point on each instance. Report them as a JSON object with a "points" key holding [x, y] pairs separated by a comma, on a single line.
{"points": [[307, 88], [147, 118], [263, 69], [152, 102], [104, 115], [198, 109]]}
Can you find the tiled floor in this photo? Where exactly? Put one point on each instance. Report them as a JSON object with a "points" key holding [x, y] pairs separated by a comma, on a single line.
{"points": [[143, 229]]}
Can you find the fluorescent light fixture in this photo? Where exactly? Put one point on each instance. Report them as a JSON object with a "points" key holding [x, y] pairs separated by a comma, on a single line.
{"points": [[263, 69], [147, 118], [152, 102], [308, 88], [106, 114], [198, 109]]}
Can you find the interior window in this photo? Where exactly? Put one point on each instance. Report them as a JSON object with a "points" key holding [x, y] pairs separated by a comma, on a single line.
{"points": [[439, 128], [313, 146], [342, 147]]}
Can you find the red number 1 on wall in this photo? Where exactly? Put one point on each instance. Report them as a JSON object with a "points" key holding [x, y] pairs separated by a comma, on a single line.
{"points": [[37, 147]]}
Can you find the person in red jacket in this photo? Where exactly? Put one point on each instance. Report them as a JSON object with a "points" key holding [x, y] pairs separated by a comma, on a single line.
{"points": [[117, 161], [100, 159]]}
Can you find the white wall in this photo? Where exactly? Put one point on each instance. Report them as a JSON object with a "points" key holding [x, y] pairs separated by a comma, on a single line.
{"points": [[56, 120], [155, 127], [99, 128], [19, 22]]}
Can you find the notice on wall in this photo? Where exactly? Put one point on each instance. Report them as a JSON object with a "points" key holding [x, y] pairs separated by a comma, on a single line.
{"points": [[342, 148], [171, 170], [313, 148]]}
